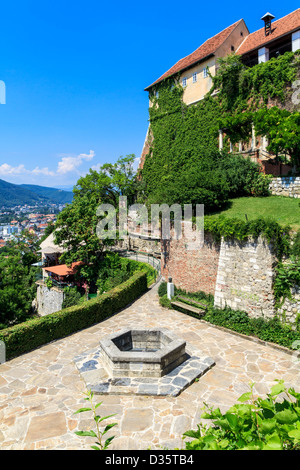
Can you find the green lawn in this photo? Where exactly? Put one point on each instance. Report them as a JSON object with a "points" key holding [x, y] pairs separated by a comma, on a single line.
{"points": [[284, 210]]}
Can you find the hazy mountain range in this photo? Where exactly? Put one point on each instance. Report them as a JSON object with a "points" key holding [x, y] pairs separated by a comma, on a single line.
{"points": [[21, 194]]}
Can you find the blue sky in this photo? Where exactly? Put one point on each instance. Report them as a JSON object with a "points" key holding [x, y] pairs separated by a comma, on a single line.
{"points": [[75, 74]]}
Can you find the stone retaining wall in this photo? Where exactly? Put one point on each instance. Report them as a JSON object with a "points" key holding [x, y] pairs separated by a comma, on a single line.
{"points": [[245, 277], [48, 300], [286, 186], [290, 309], [239, 275]]}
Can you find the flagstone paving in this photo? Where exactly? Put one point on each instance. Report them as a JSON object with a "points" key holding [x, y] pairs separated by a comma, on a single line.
{"points": [[41, 390]]}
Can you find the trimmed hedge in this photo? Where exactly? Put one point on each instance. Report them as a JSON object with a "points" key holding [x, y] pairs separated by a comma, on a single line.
{"points": [[34, 333]]}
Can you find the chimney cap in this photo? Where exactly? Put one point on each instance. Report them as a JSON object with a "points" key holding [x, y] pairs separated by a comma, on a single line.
{"points": [[267, 16]]}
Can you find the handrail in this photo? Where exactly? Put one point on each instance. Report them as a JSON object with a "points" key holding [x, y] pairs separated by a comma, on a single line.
{"points": [[151, 260]]}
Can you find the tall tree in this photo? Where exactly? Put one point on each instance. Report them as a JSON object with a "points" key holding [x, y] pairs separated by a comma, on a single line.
{"points": [[76, 224], [282, 129]]}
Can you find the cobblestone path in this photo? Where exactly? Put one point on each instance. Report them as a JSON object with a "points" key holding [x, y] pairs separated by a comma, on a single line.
{"points": [[41, 390]]}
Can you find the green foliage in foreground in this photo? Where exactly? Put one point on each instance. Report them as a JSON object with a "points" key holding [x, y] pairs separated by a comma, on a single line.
{"points": [[252, 424], [98, 434], [29, 335]]}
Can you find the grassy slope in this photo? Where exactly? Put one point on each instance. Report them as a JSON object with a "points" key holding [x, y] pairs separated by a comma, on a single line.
{"points": [[284, 210]]}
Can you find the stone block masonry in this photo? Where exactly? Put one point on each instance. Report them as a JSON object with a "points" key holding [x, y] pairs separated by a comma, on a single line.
{"points": [[289, 311], [286, 186], [191, 270], [48, 300], [239, 275], [245, 277]]}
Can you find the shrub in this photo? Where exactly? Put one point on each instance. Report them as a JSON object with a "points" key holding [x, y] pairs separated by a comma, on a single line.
{"points": [[260, 424], [287, 276], [164, 301], [162, 289], [243, 176], [295, 249], [29, 335], [271, 330], [71, 297]]}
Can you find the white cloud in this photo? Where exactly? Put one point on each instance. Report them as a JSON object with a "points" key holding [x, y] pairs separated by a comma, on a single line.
{"points": [[68, 164], [42, 171], [6, 169]]}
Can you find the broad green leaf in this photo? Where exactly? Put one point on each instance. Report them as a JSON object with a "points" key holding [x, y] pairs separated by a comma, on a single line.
{"points": [[278, 388], [224, 443], [295, 433], [232, 420], [273, 443], [267, 425], [286, 417], [194, 434], [245, 397]]}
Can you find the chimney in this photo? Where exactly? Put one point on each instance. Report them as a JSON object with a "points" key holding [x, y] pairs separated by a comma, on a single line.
{"points": [[267, 18]]}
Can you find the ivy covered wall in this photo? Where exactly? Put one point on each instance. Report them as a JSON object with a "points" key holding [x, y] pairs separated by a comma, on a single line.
{"points": [[185, 138]]}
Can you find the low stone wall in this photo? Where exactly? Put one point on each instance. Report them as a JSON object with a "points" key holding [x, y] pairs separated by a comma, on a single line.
{"points": [[245, 277], [286, 186], [290, 309], [48, 300]]}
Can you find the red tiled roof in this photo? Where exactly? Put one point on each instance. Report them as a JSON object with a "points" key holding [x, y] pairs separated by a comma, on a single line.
{"points": [[285, 25], [63, 269], [208, 48]]}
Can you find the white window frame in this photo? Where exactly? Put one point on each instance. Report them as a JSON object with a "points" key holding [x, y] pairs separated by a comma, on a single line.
{"points": [[195, 77], [184, 82], [205, 72]]}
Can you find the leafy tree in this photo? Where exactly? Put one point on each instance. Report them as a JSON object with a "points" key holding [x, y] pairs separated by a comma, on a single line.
{"points": [[198, 184], [282, 129], [243, 176], [76, 224], [17, 286]]}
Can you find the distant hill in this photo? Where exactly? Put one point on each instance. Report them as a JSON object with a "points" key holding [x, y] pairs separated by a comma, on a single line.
{"points": [[59, 196], [20, 194]]}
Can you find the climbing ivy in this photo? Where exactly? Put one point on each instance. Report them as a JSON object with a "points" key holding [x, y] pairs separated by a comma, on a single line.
{"points": [[183, 160], [182, 164], [237, 229], [242, 88], [244, 95]]}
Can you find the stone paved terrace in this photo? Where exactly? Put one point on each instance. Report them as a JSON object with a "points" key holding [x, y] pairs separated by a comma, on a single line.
{"points": [[40, 391]]}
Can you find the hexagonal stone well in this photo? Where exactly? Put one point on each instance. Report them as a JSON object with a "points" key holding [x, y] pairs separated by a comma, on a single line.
{"points": [[142, 362], [149, 352]]}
